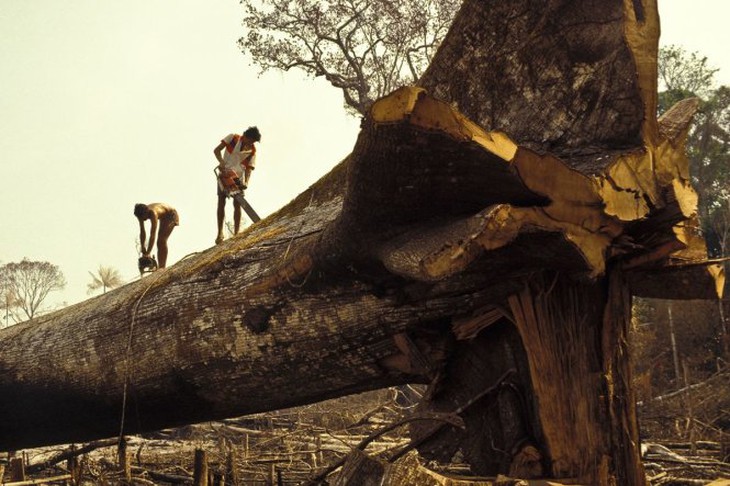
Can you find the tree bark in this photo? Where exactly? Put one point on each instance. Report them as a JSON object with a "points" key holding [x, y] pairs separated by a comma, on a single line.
{"points": [[492, 220]]}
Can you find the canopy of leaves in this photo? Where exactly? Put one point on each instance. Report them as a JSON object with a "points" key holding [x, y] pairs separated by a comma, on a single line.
{"points": [[26, 285], [680, 70], [367, 48], [105, 278]]}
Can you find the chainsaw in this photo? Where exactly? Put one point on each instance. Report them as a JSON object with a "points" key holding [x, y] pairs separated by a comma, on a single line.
{"points": [[233, 187], [146, 263]]}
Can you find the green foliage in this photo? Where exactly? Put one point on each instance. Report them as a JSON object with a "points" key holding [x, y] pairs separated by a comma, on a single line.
{"points": [[683, 71], [366, 48], [26, 285]]}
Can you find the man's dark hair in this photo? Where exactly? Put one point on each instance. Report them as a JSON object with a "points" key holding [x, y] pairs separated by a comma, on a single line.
{"points": [[253, 133], [140, 210]]}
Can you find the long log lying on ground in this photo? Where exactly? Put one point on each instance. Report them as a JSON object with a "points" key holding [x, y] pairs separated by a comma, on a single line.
{"points": [[491, 220]]}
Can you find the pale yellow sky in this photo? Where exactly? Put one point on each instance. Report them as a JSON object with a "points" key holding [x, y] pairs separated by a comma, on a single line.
{"points": [[105, 104]]}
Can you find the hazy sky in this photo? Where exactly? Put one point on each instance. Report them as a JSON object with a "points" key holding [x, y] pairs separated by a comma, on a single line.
{"points": [[105, 103]]}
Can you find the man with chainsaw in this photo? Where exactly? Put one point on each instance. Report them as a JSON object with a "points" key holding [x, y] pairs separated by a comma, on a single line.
{"points": [[236, 155], [161, 216]]}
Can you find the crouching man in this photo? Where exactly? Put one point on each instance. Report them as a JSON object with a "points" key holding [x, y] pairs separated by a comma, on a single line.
{"points": [[163, 219]]}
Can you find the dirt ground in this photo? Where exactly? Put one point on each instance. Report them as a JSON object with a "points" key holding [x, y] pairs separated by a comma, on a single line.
{"points": [[293, 446]]}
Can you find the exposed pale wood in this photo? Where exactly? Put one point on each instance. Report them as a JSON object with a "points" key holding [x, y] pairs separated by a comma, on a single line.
{"points": [[70, 452], [560, 327], [469, 326]]}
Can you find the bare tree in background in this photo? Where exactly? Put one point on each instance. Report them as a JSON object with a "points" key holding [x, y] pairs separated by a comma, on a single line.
{"points": [[28, 283], [9, 301], [105, 278], [366, 48]]}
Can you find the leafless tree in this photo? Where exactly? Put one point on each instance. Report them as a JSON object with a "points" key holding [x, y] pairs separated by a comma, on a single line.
{"points": [[29, 283], [105, 278], [366, 48], [9, 301]]}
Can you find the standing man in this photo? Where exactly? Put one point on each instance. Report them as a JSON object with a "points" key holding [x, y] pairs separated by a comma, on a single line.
{"points": [[236, 153], [160, 215]]}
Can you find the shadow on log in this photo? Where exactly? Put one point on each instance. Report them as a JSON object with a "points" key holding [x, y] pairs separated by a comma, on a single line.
{"points": [[498, 216]]}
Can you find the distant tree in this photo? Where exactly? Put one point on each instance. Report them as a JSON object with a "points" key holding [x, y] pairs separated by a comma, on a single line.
{"points": [[105, 278], [680, 70], [9, 300], [28, 284], [366, 48], [10, 303]]}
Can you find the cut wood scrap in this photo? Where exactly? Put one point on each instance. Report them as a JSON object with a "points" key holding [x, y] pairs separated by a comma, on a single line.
{"points": [[674, 123], [659, 451], [658, 476], [468, 327], [700, 444]]}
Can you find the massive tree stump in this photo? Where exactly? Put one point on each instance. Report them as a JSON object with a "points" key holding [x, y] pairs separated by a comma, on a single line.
{"points": [[484, 236]]}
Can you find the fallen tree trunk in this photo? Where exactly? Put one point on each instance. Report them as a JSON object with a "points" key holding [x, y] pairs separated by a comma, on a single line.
{"points": [[493, 219]]}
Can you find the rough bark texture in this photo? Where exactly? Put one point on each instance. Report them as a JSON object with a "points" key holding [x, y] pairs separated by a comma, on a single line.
{"points": [[466, 242], [557, 76]]}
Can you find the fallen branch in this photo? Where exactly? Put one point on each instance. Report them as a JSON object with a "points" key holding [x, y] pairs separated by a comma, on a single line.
{"points": [[71, 452], [459, 410], [686, 388], [169, 478], [443, 417], [451, 418], [39, 480]]}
